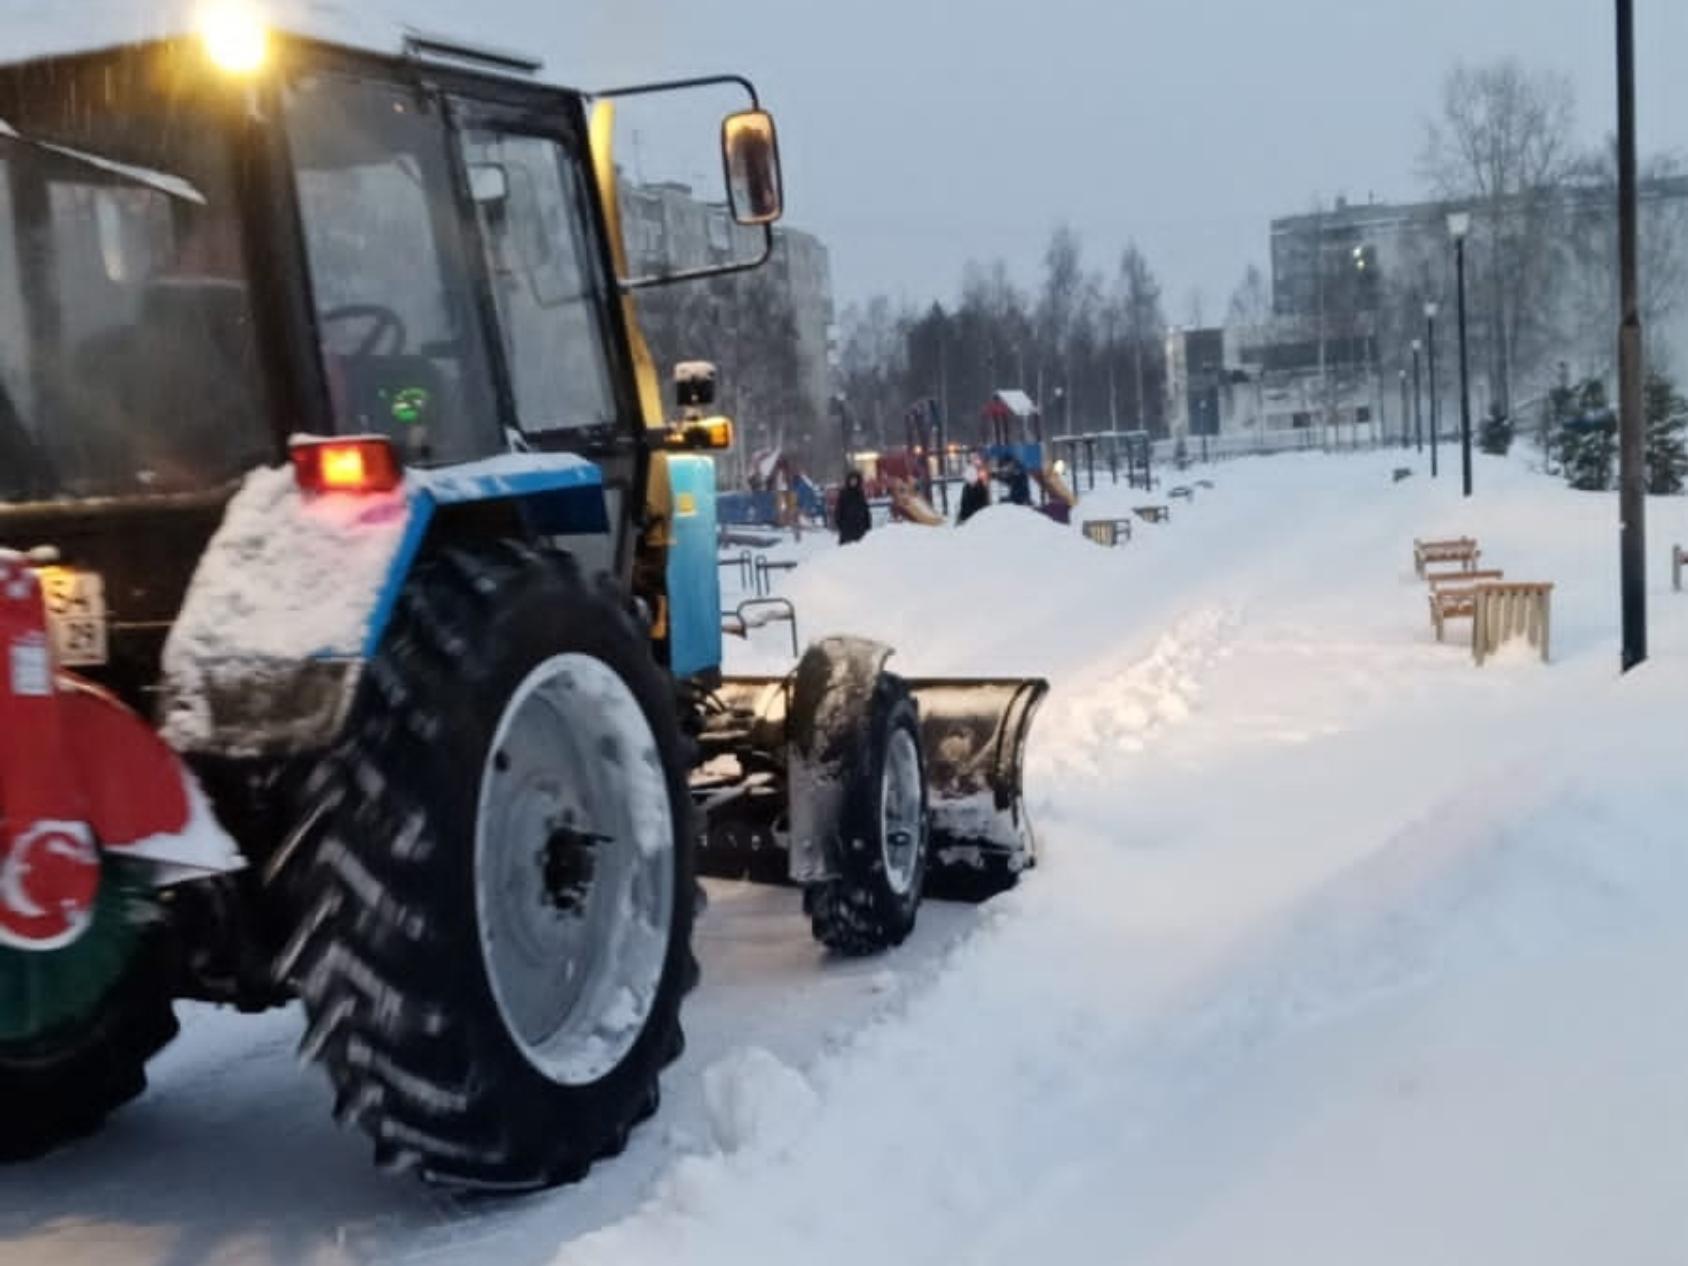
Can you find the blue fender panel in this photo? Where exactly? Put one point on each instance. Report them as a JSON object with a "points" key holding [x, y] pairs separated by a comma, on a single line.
{"points": [[694, 580], [560, 495]]}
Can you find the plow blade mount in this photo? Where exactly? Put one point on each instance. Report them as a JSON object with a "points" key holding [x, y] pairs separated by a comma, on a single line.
{"points": [[973, 740], [973, 737]]}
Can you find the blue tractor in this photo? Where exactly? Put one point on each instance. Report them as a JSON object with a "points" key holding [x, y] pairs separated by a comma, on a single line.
{"points": [[360, 593]]}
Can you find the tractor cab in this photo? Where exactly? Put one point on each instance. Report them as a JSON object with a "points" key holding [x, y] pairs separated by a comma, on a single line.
{"points": [[213, 243]]}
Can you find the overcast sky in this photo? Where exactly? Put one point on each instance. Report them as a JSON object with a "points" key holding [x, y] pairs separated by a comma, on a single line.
{"points": [[921, 134]]}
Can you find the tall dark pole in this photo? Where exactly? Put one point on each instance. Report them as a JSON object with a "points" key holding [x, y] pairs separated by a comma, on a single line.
{"points": [[1418, 402], [1435, 401], [1406, 414], [1632, 503], [1464, 366]]}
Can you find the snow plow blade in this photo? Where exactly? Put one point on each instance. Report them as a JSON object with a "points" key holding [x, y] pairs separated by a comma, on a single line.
{"points": [[973, 737]]}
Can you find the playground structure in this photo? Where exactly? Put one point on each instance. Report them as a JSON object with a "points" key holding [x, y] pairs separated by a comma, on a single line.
{"points": [[780, 495], [915, 480]]}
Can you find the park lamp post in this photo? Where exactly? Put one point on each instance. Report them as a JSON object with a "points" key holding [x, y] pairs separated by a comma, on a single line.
{"points": [[1406, 415], [1418, 398], [1459, 228], [1632, 458], [1430, 310]]}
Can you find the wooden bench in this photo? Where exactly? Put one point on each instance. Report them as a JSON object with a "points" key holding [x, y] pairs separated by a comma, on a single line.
{"points": [[1402, 472], [1462, 550], [1453, 596], [1441, 578], [1678, 556], [1205, 483], [1153, 514], [1182, 490], [1109, 532], [1506, 609]]}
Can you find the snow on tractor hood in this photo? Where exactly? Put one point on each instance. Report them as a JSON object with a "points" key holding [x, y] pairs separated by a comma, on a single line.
{"points": [[294, 592]]}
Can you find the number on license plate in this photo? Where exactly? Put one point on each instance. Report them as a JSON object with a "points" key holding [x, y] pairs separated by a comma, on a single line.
{"points": [[76, 616]]}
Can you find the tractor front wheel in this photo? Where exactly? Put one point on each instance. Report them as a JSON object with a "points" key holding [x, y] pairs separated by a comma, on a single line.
{"points": [[871, 903]]}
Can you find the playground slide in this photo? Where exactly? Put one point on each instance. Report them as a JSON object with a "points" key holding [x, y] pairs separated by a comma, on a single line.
{"points": [[1056, 487], [913, 507]]}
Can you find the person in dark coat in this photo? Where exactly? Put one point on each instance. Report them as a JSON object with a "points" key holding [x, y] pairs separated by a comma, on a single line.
{"points": [[854, 518], [1019, 483], [976, 496]]}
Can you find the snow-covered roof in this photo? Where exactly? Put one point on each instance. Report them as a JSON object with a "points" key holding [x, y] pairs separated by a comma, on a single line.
{"points": [[50, 28], [1017, 402]]}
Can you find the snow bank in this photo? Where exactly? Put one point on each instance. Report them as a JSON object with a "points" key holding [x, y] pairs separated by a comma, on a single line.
{"points": [[288, 577], [757, 1103], [1304, 975]]}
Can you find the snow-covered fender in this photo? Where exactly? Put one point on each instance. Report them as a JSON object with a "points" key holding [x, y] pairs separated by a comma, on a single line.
{"points": [[294, 594], [831, 705]]}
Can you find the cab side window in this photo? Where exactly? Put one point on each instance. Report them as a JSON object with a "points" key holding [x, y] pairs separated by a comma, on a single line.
{"points": [[403, 343], [552, 297]]}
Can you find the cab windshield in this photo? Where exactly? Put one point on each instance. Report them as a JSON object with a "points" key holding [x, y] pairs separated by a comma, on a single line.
{"points": [[127, 355]]}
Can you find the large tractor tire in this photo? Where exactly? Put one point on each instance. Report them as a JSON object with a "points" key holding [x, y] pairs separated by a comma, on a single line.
{"points": [[493, 879], [882, 841], [78, 1025]]}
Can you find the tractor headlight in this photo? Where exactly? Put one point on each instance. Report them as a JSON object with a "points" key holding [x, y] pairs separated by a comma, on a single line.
{"points": [[237, 39]]}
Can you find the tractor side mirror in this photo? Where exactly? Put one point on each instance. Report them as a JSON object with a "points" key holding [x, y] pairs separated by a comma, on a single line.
{"points": [[694, 386], [750, 147]]}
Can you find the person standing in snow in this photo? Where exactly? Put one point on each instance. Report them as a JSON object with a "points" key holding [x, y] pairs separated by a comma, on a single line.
{"points": [[854, 518], [1019, 483], [976, 496]]}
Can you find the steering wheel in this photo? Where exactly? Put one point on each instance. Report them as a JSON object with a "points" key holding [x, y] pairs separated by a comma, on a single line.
{"points": [[385, 326]]}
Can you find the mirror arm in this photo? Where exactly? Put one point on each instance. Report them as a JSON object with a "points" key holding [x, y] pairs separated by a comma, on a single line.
{"points": [[629, 285], [675, 85]]}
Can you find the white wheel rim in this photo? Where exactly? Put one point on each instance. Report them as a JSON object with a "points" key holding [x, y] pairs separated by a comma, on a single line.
{"points": [[574, 869], [902, 823]]}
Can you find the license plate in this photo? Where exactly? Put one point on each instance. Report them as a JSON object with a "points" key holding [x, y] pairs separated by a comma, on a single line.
{"points": [[76, 616]]}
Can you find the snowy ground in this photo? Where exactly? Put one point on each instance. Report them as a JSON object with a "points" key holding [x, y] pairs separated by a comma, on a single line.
{"points": [[1342, 950]]}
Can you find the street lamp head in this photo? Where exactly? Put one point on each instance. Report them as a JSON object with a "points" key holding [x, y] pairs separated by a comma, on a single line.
{"points": [[1418, 345], [1459, 225], [1431, 309]]}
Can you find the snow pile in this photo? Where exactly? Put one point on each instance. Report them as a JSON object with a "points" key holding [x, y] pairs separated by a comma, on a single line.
{"points": [[757, 1103], [288, 577], [1322, 904], [285, 579]]}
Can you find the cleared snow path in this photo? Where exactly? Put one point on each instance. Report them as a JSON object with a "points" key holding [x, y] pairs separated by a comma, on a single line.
{"points": [[1341, 950]]}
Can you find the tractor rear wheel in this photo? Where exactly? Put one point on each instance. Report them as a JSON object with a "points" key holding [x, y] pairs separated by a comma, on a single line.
{"points": [[493, 879], [78, 1024], [871, 904]]}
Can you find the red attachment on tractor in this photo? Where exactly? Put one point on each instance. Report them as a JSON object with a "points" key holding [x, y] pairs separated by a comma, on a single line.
{"points": [[49, 865], [79, 773]]}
